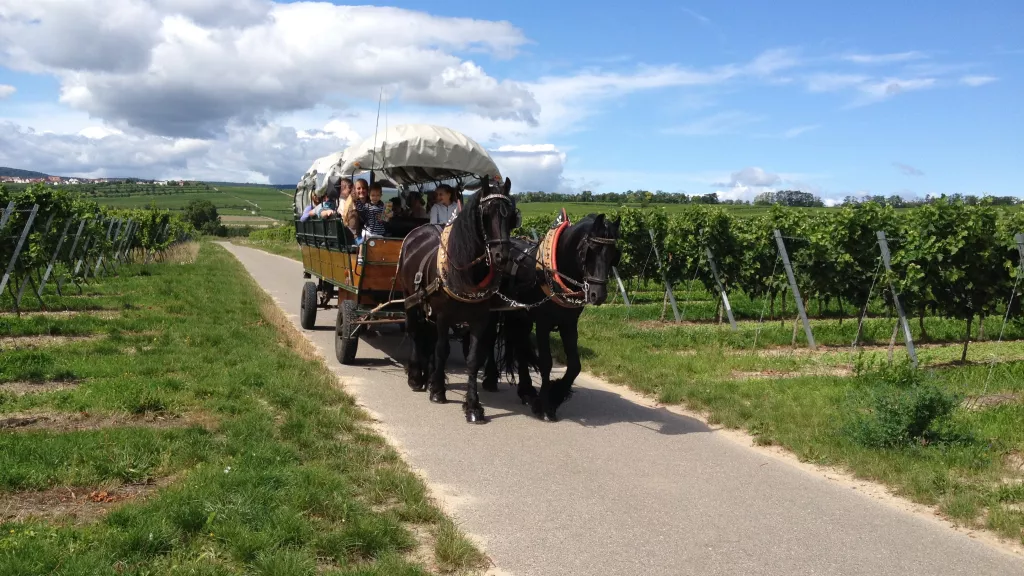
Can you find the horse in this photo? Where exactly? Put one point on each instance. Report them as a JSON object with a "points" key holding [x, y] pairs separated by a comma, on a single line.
{"points": [[448, 276], [580, 254]]}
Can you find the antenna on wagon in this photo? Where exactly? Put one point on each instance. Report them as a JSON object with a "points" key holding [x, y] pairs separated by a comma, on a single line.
{"points": [[373, 156]]}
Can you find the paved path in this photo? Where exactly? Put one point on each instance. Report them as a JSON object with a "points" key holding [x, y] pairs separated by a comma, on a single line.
{"points": [[617, 487]]}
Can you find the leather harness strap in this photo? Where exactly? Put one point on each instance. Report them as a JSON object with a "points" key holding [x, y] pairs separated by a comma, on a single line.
{"points": [[547, 262]]}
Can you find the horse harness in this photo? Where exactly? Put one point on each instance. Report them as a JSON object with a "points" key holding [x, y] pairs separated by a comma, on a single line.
{"points": [[482, 291], [554, 286]]}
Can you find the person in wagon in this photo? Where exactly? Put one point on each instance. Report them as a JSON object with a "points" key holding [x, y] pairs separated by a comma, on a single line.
{"points": [[349, 213], [373, 213], [416, 208], [444, 205], [329, 206], [314, 203]]}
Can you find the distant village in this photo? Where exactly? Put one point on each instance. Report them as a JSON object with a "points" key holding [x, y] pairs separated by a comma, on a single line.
{"points": [[63, 181]]}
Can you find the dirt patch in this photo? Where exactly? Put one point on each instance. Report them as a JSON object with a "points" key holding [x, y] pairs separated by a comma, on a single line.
{"points": [[75, 505], [990, 401], [29, 342], [73, 422], [838, 371], [24, 388], [1014, 461]]}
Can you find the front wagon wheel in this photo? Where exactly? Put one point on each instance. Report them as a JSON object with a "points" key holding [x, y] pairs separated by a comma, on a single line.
{"points": [[345, 344], [307, 310]]}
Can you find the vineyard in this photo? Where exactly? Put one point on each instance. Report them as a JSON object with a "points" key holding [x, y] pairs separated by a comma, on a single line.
{"points": [[50, 237], [949, 259]]}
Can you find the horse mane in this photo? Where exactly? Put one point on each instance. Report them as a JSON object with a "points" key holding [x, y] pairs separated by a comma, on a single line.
{"points": [[465, 243], [568, 247]]}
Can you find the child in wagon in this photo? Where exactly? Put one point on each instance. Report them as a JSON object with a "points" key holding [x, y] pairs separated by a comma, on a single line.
{"points": [[373, 213]]}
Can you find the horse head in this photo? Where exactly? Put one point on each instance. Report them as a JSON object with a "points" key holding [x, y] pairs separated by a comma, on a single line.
{"points": [[498, 217], [598, 253]]}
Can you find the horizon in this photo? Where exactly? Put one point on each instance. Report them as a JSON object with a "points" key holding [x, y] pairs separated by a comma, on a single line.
{"points": [[708, 100]]}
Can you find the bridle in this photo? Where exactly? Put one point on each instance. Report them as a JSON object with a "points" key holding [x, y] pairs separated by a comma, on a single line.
{"points": [[589, 243]]}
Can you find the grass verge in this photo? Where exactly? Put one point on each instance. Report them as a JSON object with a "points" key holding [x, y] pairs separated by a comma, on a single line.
{"points": [[284, 475]]}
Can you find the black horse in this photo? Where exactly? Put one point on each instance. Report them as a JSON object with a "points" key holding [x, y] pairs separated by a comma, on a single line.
{"points": [[448, 276], [573, 263]]}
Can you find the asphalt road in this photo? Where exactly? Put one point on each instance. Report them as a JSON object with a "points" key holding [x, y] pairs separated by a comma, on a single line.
{"points": [[619, 487]]}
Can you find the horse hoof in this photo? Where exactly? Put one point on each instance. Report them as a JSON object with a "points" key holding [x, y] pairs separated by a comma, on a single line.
{"points": [[475, 416], [438, 397], [417, 387], [549, 417]]}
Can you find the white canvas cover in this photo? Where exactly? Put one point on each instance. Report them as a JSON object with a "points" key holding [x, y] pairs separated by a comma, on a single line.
{"points": [[318, 177], [419, 153]]}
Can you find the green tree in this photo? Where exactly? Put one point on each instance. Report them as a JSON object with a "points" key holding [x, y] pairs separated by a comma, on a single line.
{"points": [[202, 214]]}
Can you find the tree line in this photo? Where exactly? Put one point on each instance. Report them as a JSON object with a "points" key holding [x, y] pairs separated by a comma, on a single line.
{"points": [[791, 198]]}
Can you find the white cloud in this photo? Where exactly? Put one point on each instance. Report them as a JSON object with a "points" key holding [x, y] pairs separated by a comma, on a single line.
{"points": [[532, 167], [721, 123], [884, 58], [183, 68], [752, 176], [6, 91], [868, 90], [975, 81]]}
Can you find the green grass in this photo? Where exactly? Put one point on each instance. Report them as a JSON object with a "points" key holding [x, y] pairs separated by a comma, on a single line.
{"points": [[230, 201], [265, 466]]}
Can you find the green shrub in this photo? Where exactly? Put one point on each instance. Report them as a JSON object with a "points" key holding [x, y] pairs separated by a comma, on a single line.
{"points": [[905, 407], [276, 234]]}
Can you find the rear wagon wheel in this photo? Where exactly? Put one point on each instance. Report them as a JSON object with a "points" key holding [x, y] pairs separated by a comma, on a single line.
{"points": [[307, 310], [345, 346]]}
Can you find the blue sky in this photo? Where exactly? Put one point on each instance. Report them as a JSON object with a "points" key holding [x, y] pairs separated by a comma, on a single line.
{"points": [[869, 97]]}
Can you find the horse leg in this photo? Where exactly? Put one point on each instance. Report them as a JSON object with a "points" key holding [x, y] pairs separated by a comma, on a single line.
{"points": [[542, 407], [442, 348], [490, 363], [416, 371], [521, 338], [562, 387], [472, 407]]}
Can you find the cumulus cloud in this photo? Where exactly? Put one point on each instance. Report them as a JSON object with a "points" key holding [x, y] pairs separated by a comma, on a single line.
{"points": [[187, 68], [6, 91], [907, 169], [261, 154], [752, 176], [532, 167]]}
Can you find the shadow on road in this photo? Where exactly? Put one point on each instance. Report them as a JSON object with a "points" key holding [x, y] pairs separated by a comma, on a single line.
{"points": [[589, 406]]}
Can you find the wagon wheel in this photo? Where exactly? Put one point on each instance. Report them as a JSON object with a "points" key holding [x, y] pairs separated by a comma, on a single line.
{"points": [[307, 310], [345, 344]]}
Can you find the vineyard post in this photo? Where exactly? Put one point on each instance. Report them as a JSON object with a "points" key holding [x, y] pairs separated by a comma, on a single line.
{"points": [[533, 231], [796, 291], [53, 259], [721, 288], [157, 241], [18, 247], [83, 259], [664, 277], [115, 245], [127, 248], [1019, 239], [883, 245], [71, 255], [124, 241], [99, 259], [621, 287], [6, 214]]}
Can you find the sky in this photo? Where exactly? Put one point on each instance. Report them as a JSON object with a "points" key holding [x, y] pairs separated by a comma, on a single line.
{"points": [[862, 98]]}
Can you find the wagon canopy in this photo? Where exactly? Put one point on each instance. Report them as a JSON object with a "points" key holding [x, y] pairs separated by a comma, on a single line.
{"points": [[324, 172], [419, 153]]}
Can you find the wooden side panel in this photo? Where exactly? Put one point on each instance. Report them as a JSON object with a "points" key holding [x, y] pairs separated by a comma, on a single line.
{"points": [[380, 263]]}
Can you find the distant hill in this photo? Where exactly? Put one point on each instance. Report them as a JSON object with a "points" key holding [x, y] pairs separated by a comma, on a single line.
{"points": [[16, 173]]}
